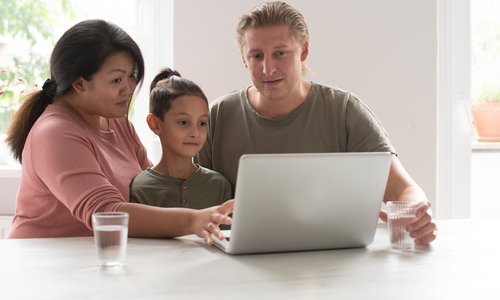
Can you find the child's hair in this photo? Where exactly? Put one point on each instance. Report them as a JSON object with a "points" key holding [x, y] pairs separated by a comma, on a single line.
{"points": [[166, 87]]}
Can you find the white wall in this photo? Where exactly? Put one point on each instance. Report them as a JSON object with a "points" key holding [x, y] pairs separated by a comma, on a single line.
{"points": [[384, 51]]}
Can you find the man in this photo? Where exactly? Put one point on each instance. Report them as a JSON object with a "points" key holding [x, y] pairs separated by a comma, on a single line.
{"points": [[283, 113]]}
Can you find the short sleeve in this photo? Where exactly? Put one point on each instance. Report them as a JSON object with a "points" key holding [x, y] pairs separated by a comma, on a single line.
{"points": [[365, 133]]}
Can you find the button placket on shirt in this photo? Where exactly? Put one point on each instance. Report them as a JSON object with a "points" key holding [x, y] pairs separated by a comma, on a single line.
{"points": [[184, 195]]}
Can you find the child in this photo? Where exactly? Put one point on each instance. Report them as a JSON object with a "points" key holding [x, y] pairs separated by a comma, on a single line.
{"points": [[179, 116]]}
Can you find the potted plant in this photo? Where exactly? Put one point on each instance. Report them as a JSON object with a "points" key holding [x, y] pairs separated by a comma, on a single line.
{"points": [[486, 113]]}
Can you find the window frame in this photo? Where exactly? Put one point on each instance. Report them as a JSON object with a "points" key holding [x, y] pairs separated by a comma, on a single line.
{"points": [[454, 120]]}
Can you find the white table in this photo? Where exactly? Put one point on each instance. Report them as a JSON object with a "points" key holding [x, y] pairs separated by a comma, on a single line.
{"points": [[463, 263]]}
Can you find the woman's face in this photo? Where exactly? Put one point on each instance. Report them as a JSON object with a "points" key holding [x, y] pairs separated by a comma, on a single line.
{"points": [[109, 91]]}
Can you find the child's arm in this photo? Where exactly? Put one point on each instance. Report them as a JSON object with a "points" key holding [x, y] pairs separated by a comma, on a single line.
{"points": [[158, 222]]}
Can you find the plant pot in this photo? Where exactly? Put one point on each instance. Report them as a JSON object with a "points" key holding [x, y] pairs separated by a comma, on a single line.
{"points": [[487, 121]]}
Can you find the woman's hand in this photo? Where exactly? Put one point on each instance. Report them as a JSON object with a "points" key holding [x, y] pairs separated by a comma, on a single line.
{"points": [[205, 222]]}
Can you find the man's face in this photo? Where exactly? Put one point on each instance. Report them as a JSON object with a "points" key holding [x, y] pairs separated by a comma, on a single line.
{"points": [[274, 59]]}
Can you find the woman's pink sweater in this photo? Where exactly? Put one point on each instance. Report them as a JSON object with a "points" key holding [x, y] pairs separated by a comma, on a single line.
{"points": [[71, 170]]}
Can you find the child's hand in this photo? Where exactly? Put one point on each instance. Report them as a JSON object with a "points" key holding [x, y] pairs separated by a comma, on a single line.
{"points": [[205, 222]]}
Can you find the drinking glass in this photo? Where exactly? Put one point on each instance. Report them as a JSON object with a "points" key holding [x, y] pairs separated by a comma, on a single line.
{"points": [[400, 214], [110, 234]]}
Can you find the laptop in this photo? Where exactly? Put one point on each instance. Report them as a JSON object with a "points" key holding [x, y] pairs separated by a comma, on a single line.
{"points": [[306, 201]]}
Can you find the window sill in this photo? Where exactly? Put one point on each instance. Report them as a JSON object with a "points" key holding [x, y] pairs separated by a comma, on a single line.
{"points": [[485, 146], [10, 171]]}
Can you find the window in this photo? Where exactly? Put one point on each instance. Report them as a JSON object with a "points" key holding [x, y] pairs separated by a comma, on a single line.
{"points": [[485, 91], [485, 71], [485, 50], [459, 83]]}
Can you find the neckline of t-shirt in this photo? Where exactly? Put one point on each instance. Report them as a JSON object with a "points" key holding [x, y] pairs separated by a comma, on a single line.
{"points": [[190, 179], [297, 111], [103, 133]]}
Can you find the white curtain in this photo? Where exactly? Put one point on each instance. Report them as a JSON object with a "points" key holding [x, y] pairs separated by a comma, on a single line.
{"points": [[154, 21]]}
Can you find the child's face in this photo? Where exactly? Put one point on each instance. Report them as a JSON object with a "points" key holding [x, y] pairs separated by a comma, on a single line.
{"points": [[183, 130]]}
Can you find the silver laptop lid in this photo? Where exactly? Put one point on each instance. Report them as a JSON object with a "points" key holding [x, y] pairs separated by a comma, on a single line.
{"points": [[294, 202]]}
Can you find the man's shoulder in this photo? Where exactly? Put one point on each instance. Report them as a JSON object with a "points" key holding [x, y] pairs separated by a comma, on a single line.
{"points": [[235, 94], [231, 98], [330, 96], [228, 103], [328, 91]]}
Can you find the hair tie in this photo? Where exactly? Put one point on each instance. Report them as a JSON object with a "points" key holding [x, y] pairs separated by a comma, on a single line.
{"points": [[49, 87]]}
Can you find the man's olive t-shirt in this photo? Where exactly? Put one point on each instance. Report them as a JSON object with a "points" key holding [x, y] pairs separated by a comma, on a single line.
{"points": [[330, 120]]}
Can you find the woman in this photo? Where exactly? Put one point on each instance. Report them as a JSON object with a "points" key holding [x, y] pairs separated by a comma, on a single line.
{"points": [[78, 150]]}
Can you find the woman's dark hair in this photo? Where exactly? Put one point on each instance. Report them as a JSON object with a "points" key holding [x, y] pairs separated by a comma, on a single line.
{"points": [[166, 87], [80, 52]]}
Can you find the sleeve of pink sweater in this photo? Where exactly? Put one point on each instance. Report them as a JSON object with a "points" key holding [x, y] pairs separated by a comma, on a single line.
{"points": [[86, 170]]}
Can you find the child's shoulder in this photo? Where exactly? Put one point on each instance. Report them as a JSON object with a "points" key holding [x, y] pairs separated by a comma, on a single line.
{"points": [[147, 176], [211, 173]]}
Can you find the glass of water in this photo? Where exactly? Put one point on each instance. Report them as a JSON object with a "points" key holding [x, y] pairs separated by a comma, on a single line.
{"points": [[400, 214], [110, 234]]}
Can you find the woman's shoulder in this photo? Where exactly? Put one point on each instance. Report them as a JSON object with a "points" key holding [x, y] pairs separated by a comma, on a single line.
{"points": [[57, 119], [123, 127], [120, 122]]}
